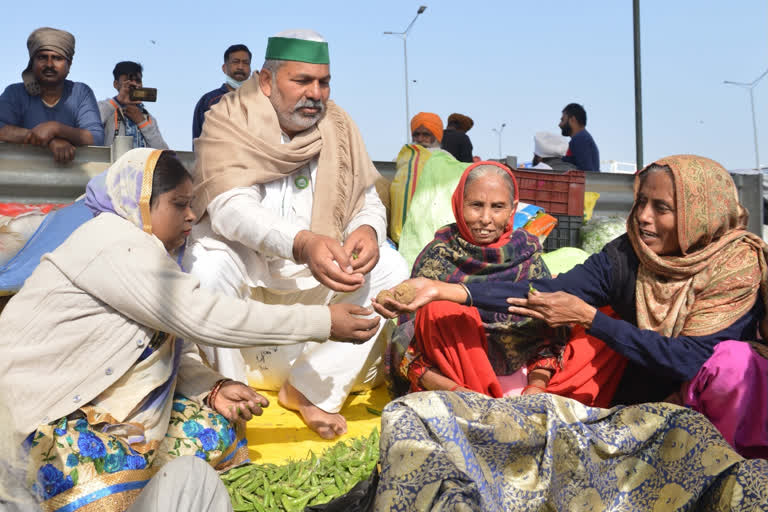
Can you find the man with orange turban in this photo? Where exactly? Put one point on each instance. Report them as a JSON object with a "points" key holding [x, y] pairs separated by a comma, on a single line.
{"points": [[427, 130]]}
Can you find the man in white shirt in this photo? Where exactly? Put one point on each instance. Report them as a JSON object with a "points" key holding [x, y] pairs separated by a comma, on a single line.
{"points": [[293, 218]]}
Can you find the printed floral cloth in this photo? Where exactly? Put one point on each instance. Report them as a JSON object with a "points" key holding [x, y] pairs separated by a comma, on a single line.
{"points": [[446, 451], [81, 468]]}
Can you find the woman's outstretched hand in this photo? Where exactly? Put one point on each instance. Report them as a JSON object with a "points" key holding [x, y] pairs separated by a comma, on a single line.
{"points": [[424, 291], [556, 309], [238, 402]]}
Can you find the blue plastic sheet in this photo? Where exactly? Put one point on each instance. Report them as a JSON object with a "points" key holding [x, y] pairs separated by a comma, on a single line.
{"points": [[51, 233]]}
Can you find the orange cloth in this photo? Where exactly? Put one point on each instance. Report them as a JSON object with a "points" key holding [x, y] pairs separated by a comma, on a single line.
{"points": [[452, 337], [431, 122], [590, 371]]}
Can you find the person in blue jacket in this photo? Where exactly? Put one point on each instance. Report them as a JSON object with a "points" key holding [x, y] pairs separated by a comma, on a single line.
{"points": [[688, 283]]}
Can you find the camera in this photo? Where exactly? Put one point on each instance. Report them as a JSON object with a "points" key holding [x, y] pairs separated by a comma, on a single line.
{"points": [[143, 94]]}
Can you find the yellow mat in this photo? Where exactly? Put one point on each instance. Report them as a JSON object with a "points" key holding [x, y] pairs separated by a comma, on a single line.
{"points": [[280, 434]]}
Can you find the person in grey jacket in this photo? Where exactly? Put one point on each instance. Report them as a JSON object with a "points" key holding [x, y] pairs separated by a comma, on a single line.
{"points": [[100, 369], [122, 116]]}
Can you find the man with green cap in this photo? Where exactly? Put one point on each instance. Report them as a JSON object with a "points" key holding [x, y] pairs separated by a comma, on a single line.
{"points": [[290, 215]]}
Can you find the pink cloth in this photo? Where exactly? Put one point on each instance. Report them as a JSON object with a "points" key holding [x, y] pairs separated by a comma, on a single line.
{"points": [[512, 385], [731, 390]]}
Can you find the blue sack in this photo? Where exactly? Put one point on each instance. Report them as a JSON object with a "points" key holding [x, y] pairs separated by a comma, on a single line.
{"points": [[51, 233]]}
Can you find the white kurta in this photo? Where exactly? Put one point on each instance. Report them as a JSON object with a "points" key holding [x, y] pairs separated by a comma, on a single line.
{"points": [[244, 248]]}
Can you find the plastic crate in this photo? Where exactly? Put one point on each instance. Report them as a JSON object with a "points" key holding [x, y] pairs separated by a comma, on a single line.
{"points": [[565, 234], [559, 193]]}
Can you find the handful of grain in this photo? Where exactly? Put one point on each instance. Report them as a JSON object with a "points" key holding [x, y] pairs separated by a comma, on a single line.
{"points": [[403, 293], [298, 484]]}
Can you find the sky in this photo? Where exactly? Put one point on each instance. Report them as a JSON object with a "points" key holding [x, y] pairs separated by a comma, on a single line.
{"points": [[509, 62]]}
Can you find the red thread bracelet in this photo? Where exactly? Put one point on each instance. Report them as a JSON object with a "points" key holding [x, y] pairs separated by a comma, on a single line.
{"points": [[532, 386], [454, 388]]}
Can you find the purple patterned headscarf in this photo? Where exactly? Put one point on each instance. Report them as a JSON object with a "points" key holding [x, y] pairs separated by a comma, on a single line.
{"points": [[119, 189], [125, 190]]}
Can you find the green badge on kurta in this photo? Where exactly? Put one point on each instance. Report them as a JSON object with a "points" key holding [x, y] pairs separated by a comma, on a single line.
{"points": [[301, 182]]}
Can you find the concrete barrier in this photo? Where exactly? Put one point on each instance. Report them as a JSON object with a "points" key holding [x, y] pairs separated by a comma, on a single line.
{"points": [[29, 175]]}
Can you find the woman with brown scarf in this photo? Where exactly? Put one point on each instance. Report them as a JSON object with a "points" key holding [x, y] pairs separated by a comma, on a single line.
{"points": [[686, 280]]}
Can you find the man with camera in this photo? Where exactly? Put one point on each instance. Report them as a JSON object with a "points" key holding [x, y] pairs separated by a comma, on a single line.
{"points": [[125, 113], [46, 109]]}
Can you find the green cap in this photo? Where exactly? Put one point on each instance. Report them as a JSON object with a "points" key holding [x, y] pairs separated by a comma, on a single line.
{"points": [[301, 50]]}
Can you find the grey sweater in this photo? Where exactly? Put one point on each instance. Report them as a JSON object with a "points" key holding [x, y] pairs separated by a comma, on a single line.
{"points": [[148, 128]]}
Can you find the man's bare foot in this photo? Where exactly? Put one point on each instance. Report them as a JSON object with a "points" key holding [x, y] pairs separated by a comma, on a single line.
{"points": [[327, 425]]}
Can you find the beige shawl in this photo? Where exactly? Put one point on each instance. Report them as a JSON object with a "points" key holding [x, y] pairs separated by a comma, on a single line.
{"points": [[241, 146], [722, 267]]}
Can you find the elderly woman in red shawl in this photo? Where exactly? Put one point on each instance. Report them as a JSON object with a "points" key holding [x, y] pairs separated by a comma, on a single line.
{"points": [[688, 283], [450, 346]]}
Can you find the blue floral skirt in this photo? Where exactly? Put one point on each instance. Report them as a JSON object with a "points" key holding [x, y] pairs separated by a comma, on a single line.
{"points": [[76, 467]]}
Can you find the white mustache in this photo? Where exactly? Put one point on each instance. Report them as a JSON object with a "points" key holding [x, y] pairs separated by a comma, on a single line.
{"points": [[309, 104]]}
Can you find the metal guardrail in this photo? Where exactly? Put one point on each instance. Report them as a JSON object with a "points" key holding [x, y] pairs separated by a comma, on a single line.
{"points": [[29, 175], [616, 195]]}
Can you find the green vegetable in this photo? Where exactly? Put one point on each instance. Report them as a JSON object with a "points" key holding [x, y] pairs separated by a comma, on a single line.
{"points": [[315, 480], [601, 230], [531, 289]]}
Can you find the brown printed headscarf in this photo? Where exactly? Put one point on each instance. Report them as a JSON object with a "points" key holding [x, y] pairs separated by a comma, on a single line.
{"points": [[722, 267], [46, 38]]}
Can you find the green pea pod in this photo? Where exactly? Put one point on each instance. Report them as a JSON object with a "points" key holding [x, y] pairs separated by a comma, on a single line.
{"points": [[300, 503], [291, 492], [531, 289], [235, 473]]}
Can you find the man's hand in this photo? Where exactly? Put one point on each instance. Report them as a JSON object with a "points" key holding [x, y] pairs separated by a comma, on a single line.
{"points": [[124, 93], [556, 309], [134, 113], [348, 323], [62, 150], [238, 402], [362, 248], [42, 134], [327, 260]]}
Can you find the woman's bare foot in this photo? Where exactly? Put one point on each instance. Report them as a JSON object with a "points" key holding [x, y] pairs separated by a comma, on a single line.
{"points": [[327, 425]]}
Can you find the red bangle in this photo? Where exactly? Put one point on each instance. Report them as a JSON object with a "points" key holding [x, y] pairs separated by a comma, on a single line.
{"points": [[532, 386], [215, 391]]}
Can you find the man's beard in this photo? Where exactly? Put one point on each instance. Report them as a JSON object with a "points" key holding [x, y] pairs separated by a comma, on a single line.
{"points": [[566, 130], [293, 120]]}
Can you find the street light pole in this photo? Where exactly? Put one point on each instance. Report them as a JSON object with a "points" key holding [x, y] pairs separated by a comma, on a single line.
{"points": [[498, 133], [638, 86], [404, 36], [751, 87]]}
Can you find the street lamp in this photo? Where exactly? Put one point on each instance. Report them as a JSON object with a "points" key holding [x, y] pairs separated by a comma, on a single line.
{"points": [[751, 86], [498, 133], [404, 36]]}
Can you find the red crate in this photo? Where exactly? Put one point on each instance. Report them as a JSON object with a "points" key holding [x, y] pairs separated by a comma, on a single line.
{"points": [[559, 193]]}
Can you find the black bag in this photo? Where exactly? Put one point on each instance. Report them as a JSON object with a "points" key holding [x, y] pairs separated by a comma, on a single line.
{"points": [[359, 499]]}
